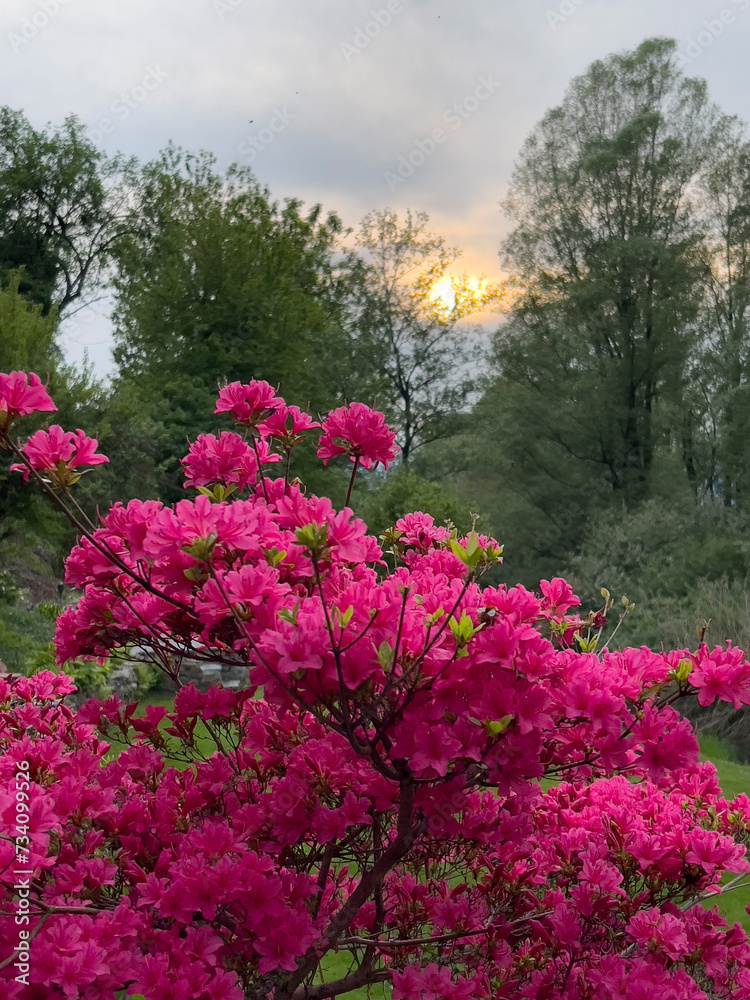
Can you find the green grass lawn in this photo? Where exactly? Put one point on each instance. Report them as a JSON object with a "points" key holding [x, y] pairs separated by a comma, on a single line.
{"points": [[733, 779], [337, 966], [202, 738]]}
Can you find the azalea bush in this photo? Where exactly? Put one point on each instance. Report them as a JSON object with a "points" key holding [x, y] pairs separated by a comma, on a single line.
{"points": [[461, 789]]}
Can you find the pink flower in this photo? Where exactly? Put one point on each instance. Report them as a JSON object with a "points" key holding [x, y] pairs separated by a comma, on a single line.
{"points": [[431, 983], [248, 404], [723, 673], [663, 929], [558, 597], [291, 651], [287, 423], [669, 742], [224, 986], [420, 530], [18, 397], [426, 747], [601, 874], [359, 432], [227, 460], [710, 850], [58, 452], [283, 942]]}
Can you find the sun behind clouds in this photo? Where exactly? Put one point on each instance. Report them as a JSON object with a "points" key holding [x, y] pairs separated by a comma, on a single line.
{"points": [[458, 295]]}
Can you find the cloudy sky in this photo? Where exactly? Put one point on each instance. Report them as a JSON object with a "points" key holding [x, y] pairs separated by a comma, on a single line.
{"points": [[358, 105]]}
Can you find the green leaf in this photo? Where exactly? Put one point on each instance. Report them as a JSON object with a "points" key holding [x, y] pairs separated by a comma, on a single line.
{"points": [[312, 536], [472, 544], [384, 654], [274, 556], [289, 616], [495, 728], [217, 493], [458, 551], [682, 671], [201, 549], [464, 629]]}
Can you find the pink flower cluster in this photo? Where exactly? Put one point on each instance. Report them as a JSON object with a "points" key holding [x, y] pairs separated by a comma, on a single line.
{"points": [[376, 789], [57, 453], [20, 395], [359, 432], [287, 424], [419, 531], [248, 404], [226, 460]]}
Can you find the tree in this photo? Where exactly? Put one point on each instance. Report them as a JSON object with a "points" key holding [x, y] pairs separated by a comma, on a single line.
{"points": [[63, 207], [608, 264], [426, 369], [28, 336], [376, 791], [720, 414], [220, 284], [405, 492]]}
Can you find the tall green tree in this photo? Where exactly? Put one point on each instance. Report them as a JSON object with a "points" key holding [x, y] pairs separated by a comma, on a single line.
{"points": [[607, 262], [63, 208], [719, 410], [27, 337], [220, 284], [407, 315]]}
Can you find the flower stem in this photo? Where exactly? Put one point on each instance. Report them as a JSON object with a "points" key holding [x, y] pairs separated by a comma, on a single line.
{"points": [[351, 481], [260, 467]]}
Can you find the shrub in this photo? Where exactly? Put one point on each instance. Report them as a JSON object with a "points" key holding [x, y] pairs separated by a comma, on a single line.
{"points": [[449, 784]]}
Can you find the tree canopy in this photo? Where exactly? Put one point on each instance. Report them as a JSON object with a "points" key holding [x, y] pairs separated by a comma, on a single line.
{"points": [[63, 208], [221, 283], [609, 264]]}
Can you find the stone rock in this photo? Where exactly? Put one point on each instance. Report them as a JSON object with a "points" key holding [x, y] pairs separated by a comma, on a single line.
{"points": [[203, 674]]}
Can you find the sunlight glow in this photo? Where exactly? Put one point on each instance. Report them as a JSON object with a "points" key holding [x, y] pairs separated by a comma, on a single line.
{"points": [[443, 294]]}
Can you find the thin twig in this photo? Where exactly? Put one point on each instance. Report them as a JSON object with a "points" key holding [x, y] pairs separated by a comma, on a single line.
{"points": [[260, 468], [351, 481]]}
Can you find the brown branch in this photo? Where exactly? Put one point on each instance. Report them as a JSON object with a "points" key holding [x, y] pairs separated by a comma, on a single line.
{"points": [[363, 976], [439, 938], [351, 482], [30, 938], [368, 884]]}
